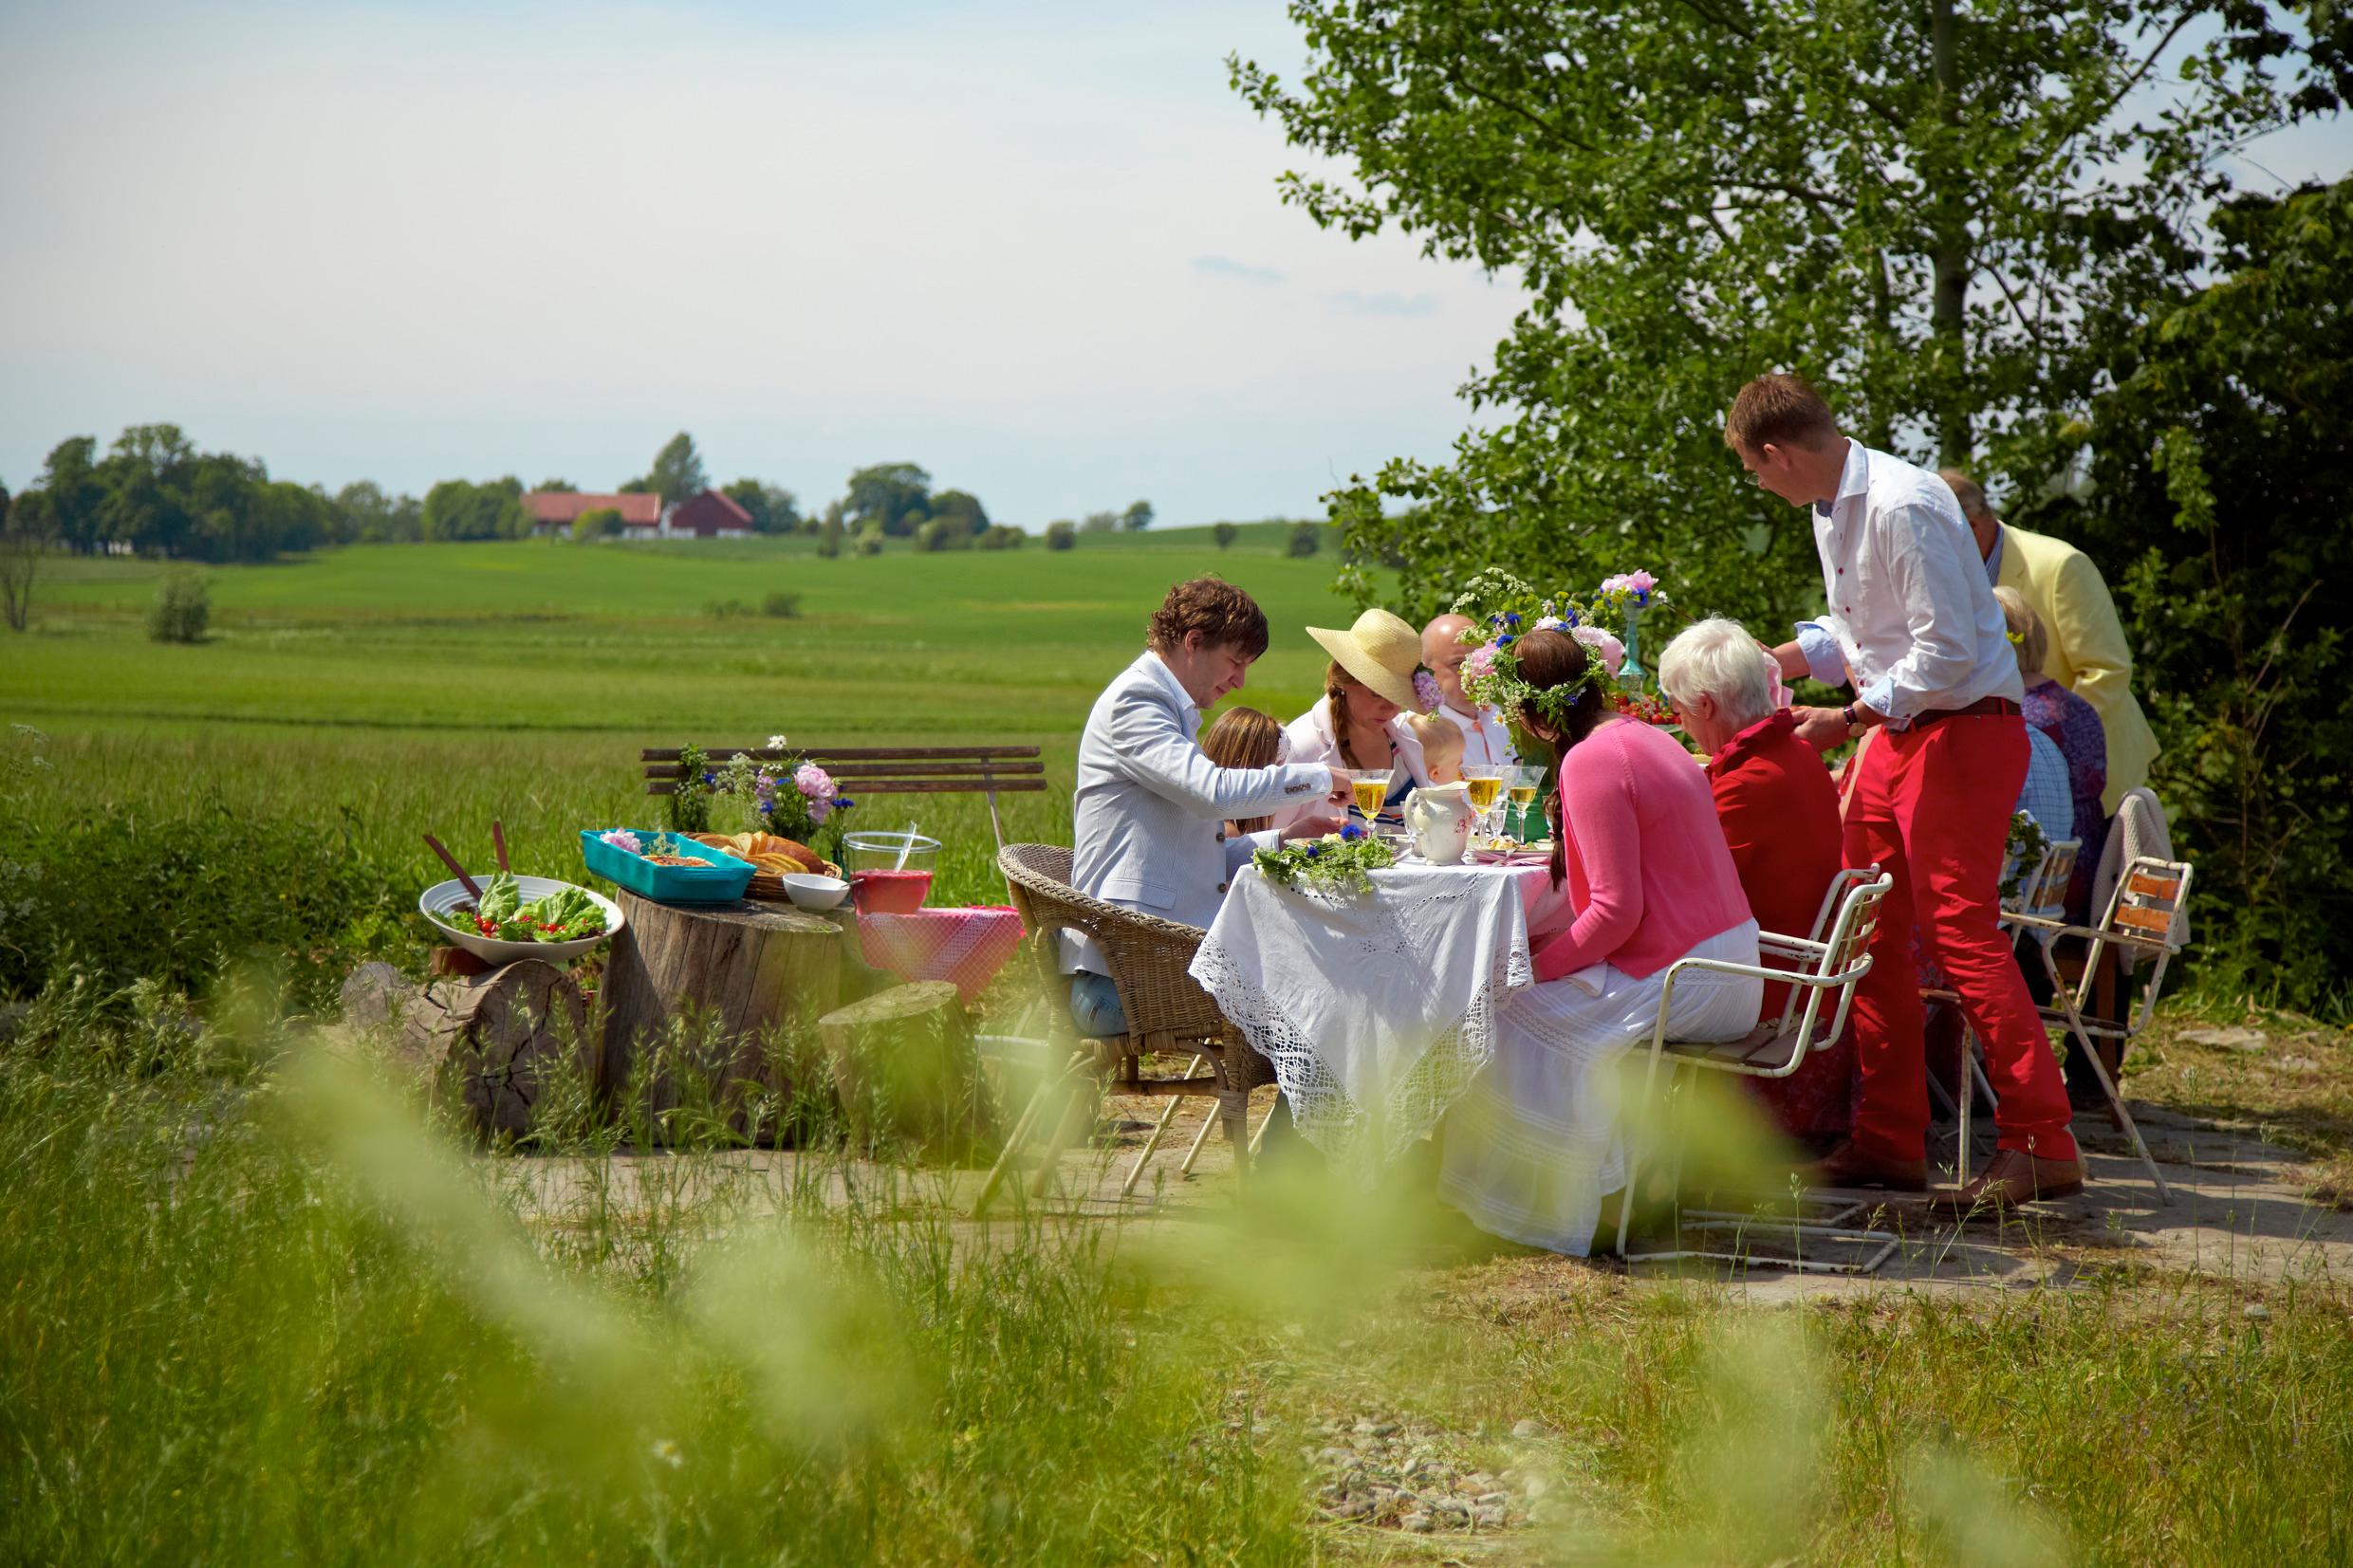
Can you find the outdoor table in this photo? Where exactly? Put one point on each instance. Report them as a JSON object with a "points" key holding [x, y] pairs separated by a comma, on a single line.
{"points": [[1376, 1010]]}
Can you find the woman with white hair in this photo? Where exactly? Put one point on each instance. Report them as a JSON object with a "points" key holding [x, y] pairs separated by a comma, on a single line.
{"points": [[1780, 815]]}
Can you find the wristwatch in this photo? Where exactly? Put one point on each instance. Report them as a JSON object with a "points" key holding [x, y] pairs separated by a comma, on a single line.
{"points": [[1854, 726]]}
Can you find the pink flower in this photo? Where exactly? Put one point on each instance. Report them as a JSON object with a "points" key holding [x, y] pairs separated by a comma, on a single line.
{"points": [[621, 839], [1481, 662], [1642, 582], [1613, 652], [1426, 691], [814, 782], [1551, 623]]}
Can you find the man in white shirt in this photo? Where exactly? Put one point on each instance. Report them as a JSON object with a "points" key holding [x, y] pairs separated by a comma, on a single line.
{"points": [[1150, 808], [1485, 739], [1914, 625]]}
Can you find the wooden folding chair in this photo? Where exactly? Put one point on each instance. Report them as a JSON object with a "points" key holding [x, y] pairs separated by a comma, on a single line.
{"points": [[2147, 917]]}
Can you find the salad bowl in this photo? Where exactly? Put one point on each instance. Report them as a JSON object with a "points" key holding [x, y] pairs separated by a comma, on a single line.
{"points": [[440, 901]]}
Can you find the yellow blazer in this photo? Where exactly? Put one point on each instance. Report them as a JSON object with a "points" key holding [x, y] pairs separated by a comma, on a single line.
{"points": [[2089, 654]]}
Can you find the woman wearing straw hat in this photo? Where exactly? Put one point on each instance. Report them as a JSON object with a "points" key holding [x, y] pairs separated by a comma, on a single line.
{"points": [[1359, 723]]}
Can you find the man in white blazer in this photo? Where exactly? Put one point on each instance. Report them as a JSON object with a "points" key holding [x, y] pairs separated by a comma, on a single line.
{"points": [[1150, 809]]}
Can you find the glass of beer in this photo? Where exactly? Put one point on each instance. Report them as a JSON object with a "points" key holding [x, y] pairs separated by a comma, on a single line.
{"points": [[1372, 790], [1486, 789], [1521, 782]]}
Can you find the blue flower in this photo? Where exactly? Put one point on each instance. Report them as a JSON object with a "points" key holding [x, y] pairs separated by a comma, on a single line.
{"points": [[1315, 850], [1495, 620], [1352, 833], [1569, 614], [1512, 616], [1506, 640], [843, 802]]}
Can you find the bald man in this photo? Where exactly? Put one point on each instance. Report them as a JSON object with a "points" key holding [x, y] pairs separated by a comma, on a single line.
{"points": [[1485, 739]]}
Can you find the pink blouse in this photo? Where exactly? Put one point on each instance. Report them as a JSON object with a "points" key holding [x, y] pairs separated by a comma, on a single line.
{"points": [[1649, 873]]}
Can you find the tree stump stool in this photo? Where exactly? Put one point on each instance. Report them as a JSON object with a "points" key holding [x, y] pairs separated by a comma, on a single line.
{"points": [[699, 1004], [497, 1044], [903, 1065]]}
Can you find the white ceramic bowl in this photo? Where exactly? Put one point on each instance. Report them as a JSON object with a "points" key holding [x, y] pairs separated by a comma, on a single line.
{"points": [[444, 897], [815, 894]]}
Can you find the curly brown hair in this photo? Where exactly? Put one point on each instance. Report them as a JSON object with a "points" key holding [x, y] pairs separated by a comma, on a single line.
{"points": [[1223, 614]]}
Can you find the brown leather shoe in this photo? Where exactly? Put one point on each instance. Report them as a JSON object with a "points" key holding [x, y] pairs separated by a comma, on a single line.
{"points": [[1850, 1166], [2011, 1177]]}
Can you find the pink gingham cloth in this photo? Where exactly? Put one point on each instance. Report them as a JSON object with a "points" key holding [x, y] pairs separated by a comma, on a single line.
{"points": [[966, 946]]}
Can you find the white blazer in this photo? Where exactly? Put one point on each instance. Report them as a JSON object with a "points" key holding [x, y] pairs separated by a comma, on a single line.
{"points": [[1148, 817]]}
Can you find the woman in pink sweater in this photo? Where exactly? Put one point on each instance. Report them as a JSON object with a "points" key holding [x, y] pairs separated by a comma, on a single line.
{"points": [[1535, 1143]]}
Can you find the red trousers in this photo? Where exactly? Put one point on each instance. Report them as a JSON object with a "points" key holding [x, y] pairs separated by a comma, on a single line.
{"points": [[1932, 806]]}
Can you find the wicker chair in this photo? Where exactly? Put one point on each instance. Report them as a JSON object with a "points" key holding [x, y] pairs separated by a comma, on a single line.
{"points": [[1167, 1011]]}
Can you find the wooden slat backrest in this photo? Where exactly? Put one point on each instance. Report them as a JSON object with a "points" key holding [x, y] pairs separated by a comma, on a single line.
{"points": [[882, 770]]}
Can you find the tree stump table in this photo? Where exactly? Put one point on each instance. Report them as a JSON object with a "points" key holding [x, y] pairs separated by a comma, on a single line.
{"points": [[903, 1065], [698, 999]]}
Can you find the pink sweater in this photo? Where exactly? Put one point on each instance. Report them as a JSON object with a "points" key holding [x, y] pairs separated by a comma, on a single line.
{"points": [[1648, 871]]}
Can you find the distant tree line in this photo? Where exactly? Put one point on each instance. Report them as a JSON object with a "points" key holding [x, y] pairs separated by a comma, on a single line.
{"points": [[152, 493]]}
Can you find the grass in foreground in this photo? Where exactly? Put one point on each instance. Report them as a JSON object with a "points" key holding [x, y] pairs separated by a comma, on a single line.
{"points": [[256, 1311]]}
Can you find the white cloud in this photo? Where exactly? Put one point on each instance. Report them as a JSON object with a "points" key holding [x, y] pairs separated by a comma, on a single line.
{"points": [[413, 242]]}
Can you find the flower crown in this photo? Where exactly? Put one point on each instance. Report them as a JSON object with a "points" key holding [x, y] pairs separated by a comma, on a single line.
{"points": [[1491, 676]]}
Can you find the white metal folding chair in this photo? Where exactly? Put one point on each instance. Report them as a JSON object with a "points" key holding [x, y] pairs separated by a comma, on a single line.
{"points": [[1826, 980]]}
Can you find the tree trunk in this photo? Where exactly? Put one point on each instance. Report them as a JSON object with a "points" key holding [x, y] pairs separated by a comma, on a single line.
{"points": [[903, 1065], [495, 1044], [1949, 246], [697, 1000]]}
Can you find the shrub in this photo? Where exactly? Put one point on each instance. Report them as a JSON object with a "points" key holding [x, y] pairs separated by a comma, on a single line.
{"points": [[723, 609], [781, 606], [596, 522], [870, 540], [183, 607], [943, 533], [1307, 538], [1002, 537], [1060, 536], [829, 536], [1225, 533]]}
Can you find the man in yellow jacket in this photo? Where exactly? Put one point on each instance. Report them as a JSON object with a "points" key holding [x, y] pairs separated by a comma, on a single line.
{"points": [[2087, 652]]}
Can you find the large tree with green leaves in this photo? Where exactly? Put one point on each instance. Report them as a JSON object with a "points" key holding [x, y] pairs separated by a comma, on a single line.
{"points": [[1945, 214], [2216, 480]]}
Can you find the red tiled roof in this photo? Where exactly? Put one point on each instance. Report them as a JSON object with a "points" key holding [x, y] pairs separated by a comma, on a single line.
{"points": [[564, 505]]}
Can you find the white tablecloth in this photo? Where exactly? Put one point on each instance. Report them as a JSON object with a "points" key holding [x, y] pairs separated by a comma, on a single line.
{"points": [[1376, 1010]]}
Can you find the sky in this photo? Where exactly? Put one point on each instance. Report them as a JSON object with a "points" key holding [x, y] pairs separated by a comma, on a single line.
{"points": [[1036, 247]]}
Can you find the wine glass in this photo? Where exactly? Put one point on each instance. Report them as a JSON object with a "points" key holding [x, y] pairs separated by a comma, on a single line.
{"points": [[1521, 783], [1486, 789], [1371, 789]]}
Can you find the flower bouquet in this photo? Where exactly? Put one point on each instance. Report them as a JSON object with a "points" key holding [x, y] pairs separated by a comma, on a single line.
{"points": [[784, 793], [1510, 608]]}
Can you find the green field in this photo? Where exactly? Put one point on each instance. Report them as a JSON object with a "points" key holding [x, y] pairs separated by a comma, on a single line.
{"points": [[266, 792], [253, 1311]]}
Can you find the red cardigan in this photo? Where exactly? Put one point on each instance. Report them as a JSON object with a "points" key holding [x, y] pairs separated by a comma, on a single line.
{"points": [[1780, 813]]}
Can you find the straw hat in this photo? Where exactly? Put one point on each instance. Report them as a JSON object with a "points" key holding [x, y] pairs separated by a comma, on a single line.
{"points": [[1379, 650]]}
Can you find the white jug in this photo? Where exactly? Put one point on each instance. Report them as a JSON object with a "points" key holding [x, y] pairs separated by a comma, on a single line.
{"points": [[1439, 816]]}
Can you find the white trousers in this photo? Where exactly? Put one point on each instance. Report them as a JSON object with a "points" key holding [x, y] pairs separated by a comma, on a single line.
{"points": [[1535, 1141]]}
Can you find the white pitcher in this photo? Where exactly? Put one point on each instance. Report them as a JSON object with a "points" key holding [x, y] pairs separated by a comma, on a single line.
{"points": [[1440, 817]]}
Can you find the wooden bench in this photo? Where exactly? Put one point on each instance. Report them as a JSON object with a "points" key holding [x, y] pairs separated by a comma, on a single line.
{"points": [[862, 770]]}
